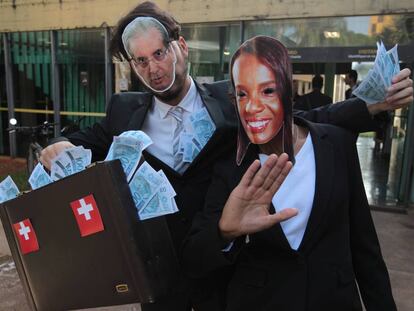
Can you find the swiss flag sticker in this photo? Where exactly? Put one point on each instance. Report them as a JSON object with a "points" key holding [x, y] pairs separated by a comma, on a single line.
{"points": [[87, 215], [27, 236]]}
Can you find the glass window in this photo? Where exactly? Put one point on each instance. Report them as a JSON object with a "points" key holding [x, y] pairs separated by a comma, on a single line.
{"points": [[30, 54], [337, 31], [210, 49], [3, 101], [81, 59], [30, 57], [3, 95]]}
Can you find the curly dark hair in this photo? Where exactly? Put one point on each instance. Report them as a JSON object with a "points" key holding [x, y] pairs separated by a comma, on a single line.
{"points": [[148, 9]]}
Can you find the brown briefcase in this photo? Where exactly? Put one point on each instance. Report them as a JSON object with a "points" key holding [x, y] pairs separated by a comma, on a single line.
{"points": [[124, 260]]}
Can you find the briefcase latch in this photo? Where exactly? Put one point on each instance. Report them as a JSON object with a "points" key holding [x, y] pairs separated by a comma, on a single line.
{"points": [[122, 288]]}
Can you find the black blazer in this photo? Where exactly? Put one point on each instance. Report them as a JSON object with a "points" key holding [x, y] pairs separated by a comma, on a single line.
{"points": [[339, 247], [127, 111]]}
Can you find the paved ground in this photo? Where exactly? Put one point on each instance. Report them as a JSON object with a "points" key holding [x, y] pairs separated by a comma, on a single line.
{"points": [[395, 231]]}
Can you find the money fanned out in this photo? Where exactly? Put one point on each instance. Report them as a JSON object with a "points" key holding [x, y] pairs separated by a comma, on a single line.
{"points": [[70, 161], [8, 189], [374, 87], [39, 177], [152, 193], [196, 136], [128, 148]]}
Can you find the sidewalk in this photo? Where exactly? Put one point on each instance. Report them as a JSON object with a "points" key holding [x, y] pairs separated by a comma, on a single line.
{"points": [[395, 231]]}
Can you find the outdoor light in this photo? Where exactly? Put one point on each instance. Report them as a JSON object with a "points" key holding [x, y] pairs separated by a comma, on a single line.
{"points": [[332, 34], [13, 121]]}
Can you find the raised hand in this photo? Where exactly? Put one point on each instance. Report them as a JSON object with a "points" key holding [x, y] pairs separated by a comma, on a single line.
{"points": [[247, 209], [399, 94]]}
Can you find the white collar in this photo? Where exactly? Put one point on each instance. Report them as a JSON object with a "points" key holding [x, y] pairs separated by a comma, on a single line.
{"points": [[187, 103]]}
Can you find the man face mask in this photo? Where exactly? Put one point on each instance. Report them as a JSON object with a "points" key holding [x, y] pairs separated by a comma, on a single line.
{"points": [[152, 55]]}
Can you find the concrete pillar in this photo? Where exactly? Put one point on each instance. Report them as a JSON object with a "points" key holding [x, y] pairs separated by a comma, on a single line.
{"points": [[329, 79]]}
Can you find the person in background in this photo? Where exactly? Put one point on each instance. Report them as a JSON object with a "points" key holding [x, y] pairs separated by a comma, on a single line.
{"points": [[315, 98], [351, 79], [299, 238], [296, 95]]}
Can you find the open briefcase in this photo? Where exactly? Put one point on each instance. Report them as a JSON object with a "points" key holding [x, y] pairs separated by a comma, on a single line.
{"points": [[65, 263]]}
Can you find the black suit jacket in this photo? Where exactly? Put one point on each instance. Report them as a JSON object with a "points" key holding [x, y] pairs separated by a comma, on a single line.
{"points": [[127, 111], [312, 100], [339, 246]]}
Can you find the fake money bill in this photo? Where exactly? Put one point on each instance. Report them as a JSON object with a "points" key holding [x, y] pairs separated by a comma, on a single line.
{"points": [[374, 87], [140, 136], [203, 126], [8, 189], [144, 185], [61, 166], [39, 177], [128, 137], [129, 151], [162, 203], [79, 157]]}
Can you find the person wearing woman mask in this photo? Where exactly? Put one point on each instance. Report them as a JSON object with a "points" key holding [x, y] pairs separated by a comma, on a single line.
{"points": [[299, 236]]}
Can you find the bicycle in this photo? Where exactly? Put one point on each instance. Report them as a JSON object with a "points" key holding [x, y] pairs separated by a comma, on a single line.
{"points": [[37, 133]]}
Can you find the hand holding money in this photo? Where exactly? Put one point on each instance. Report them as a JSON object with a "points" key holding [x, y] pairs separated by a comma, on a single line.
{"points": [[386, 87], [51, 152], [399, 94]]}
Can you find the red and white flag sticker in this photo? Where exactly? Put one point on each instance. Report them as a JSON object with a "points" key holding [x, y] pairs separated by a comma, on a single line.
{"points": [[26, 236], [87, 215]]}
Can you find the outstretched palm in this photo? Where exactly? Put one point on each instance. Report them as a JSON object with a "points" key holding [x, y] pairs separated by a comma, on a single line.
{"points": [[247, 209]]}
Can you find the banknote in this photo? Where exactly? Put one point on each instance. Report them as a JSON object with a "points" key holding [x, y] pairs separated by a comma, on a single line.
{"points": [[203, 126], [374, 87], [8, 189], [169, 186], [140, 136], [162, 203], [129, 151], [144, 185], [39, 177], [79, 157], [159, 205], [61, 166]]}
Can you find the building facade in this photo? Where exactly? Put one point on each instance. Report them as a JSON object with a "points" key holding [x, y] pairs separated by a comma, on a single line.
{"points": [[54, 65]]}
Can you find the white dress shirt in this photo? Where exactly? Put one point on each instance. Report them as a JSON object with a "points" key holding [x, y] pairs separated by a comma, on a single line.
{"points": [[160, 126], [298, 191]]}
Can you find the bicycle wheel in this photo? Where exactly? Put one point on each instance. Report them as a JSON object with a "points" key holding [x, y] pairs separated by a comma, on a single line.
{"points": [[31, 161], [33, 156]]}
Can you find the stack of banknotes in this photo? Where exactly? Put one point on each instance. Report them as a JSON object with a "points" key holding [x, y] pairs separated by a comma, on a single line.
{"points": [[193, 141], [66, 163], [151, 191], [128, 148], [8, 189], [374, 87], [70, 161]]}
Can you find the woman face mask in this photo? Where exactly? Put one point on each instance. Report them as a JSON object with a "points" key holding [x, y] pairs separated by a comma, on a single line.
{"points": [[258, 102], [262, 82]]}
